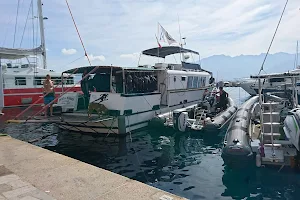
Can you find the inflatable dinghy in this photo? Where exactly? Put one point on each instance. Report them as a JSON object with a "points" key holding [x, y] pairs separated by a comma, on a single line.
{"points": [[236, 141], [203, 116]]}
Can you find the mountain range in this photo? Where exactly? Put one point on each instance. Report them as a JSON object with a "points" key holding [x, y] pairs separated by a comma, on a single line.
{"points": [[230, 68]]}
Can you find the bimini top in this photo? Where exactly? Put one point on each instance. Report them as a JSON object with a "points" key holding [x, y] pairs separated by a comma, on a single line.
{"points": [[166, 51], [106, 69]]}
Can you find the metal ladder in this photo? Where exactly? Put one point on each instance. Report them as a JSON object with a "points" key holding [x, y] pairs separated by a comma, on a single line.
{"points": [[277, 152], [202, 114], [271, 134]]}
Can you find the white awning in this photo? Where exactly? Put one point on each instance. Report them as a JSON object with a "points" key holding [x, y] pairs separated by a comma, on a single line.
{"points": [[11, 54]]}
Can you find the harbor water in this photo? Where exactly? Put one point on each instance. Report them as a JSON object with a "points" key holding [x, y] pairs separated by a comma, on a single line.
{"points": [[186, 164]]}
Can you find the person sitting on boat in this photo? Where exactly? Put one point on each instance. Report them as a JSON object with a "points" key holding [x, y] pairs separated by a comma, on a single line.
{"points": [[48, 90], [223, 99]]}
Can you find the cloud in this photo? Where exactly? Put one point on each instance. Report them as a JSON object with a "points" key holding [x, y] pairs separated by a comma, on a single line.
{"points": [[68, 51], [96, 58], [131, 56], [229, 27]]}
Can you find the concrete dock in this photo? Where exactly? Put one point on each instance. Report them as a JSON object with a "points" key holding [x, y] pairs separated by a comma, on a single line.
{"points": [[28, 172]]}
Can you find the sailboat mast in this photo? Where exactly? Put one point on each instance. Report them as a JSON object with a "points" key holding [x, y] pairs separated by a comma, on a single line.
{"points": [[297, 53], [41, 22]]}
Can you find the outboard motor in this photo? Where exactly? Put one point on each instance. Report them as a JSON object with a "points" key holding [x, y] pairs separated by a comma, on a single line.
{"points": [[180, 120]]}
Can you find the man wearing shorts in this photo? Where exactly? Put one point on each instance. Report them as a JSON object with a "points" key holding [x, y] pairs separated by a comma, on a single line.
{"points": [[48, 93]]}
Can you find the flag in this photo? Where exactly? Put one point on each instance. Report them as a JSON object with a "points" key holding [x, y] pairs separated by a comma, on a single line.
{"points": [[158, 42], [164, 35]]}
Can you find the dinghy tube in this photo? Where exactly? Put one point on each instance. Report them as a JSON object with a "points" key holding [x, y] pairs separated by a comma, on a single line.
{"points": [[237, 142], [181, 118], [222, 119]]}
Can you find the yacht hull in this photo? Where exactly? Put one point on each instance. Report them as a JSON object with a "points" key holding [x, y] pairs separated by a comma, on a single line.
{"points": [[115, 125]]}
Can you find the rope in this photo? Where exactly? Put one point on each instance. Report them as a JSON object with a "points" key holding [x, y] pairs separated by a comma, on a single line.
{"points": [[16, 23], [26, 22], [78, 32], [262, 66]]}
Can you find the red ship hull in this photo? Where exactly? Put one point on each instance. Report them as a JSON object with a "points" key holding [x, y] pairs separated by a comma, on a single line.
{"points": [[27, 96]]}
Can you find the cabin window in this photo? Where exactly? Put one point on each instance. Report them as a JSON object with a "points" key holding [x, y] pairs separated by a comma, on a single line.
{"points": [[20, 80], [195, 82], [25, 66], [273, 80], [69, 81], [190, 82], [38, 81], [203, 81], [141, 81], [56, 80], [183, 78]]}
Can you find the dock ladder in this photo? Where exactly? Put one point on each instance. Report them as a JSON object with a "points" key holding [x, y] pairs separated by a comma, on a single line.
{"points": [[276, 151]]}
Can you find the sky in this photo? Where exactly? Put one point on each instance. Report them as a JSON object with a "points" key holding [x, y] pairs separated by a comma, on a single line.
{"points": [[114, 32]]}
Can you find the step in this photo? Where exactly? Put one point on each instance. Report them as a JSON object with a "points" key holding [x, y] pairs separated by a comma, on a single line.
{"points": [[267, 128], [274, 107], [269, 135], [286, 146], [275, 117], [276, 145], [277, 157], [271, 103], [274, 123]]}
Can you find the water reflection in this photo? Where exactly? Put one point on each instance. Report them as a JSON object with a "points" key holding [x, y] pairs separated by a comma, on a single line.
{"points": [[261, 183]]}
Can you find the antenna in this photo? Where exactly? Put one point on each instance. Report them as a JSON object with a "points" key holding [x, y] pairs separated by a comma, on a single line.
{"points": [[181, 54], [297, 55], [179, 31]]}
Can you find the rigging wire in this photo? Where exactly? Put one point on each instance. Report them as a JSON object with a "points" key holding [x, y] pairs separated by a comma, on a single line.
{"points": [[67, 90], [16, 23], [296, 57], [78, 33], [6, 31], [262, 66], [26, 22], [32, 15]]}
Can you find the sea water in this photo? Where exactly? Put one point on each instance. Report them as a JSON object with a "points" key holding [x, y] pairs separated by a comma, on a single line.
{"points": [[187, 164]]}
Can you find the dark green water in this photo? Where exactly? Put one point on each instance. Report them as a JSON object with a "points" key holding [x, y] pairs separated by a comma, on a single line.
{"points": [[186, 164]]}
